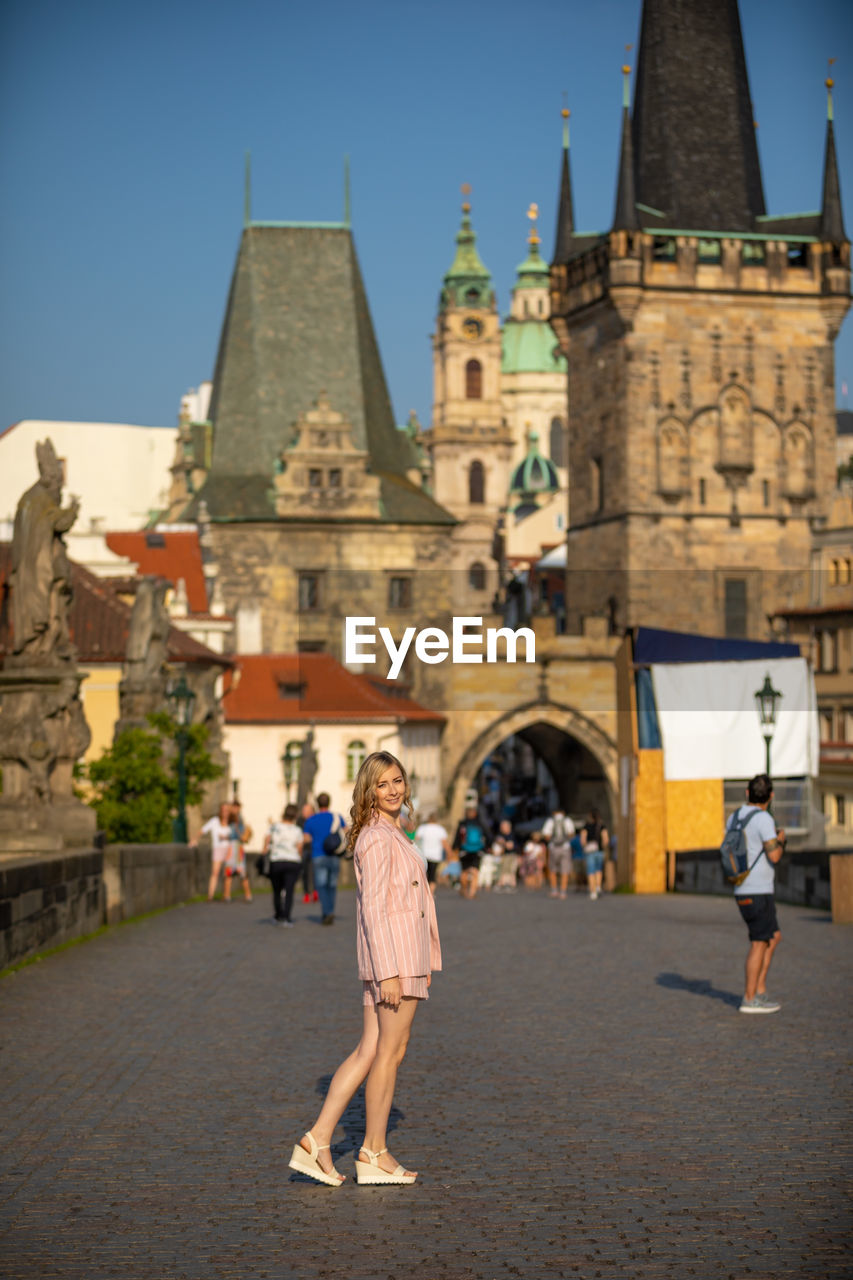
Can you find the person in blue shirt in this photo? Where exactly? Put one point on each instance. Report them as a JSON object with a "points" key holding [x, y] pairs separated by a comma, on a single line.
{"points": [[321, 829]]}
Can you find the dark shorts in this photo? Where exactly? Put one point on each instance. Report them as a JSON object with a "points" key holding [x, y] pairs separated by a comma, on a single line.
{"points": [[432, 868], [469, 861], [759, 913]]}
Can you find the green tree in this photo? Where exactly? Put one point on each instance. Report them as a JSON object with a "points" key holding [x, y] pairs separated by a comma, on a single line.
{"points": [[845, 471], [135, 782]]}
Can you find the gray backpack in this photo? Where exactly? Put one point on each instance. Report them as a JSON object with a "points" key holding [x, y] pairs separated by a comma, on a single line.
{"points": [[733, 854]]}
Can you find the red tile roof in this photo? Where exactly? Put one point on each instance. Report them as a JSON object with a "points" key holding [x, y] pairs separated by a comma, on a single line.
{"points": [[283, 687], [169, 555], [99, 620]]}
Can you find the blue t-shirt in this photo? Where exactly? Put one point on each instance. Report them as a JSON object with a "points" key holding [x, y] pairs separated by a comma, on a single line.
{"points": [[318, 827], [762, 877]]}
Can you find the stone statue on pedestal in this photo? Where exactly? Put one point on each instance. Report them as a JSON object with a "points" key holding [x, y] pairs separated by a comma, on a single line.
{"points": [[41, 574], [143, 685], [43, 731]]}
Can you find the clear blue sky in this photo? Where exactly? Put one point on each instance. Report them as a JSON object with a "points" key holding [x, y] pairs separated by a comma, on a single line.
{"points": [[123, 127]]}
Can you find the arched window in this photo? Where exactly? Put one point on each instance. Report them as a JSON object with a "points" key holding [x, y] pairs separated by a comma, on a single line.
{"points": [[476, 483], [473, 380], [356, 756], [477, 576], [558, 444]]}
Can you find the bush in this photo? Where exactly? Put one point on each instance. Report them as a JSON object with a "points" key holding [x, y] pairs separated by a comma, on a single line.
{"points": [[135, 781]]}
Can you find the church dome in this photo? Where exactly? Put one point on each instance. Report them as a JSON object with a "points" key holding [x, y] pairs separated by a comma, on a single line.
{"points": [[535, 473]]}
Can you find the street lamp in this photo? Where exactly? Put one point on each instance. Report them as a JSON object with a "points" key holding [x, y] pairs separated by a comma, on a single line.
{"points": [[182, 699], [766, 700]]}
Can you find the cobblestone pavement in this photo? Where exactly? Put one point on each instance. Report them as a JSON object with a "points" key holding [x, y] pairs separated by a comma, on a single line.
{"points": [[580, 1093]]}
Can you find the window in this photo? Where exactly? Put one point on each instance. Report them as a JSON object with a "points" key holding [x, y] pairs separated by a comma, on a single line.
{"points": [[701, 492], [736, 608], [472, 297], [558, 443], [596, 483], [473, 380], [356, 756], [399, 593], [827, 650], [335, 478], [315, 478], [835, 573], [477, 576], [826, 726], [290, 688], [309, 591], [476, 483], [840, 811], [765, 492], [844, 577]]}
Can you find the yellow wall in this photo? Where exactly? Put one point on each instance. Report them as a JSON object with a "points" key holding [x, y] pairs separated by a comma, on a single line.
{"points": [[650, 820], [99, 694], [694, 814]]}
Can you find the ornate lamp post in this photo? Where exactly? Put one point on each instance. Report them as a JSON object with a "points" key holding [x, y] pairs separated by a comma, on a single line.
{"points": [[766, 700], [182, 698], [290, 759]]}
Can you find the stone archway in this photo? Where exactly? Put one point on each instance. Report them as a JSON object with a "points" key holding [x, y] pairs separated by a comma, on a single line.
{"points": [[566, 720]]}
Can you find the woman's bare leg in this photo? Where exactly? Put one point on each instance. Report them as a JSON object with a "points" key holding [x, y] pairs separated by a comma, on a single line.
{"points": [[394, 1028], [214, 881], [349, 1075]]}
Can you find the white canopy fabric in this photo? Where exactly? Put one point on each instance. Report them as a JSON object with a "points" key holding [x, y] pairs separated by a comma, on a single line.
{"points": [[709, 723]]}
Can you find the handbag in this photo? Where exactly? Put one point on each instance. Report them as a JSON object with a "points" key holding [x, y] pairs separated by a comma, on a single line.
{"points": [[262, 864]]}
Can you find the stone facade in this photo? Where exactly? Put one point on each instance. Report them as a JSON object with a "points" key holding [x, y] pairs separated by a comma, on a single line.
{"points": [[703, 426]]}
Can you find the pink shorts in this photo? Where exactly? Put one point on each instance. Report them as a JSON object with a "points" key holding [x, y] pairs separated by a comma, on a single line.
{"points": [[416, 987]]}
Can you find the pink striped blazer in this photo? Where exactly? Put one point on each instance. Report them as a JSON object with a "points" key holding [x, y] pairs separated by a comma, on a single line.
{"points": [[397, 932]]}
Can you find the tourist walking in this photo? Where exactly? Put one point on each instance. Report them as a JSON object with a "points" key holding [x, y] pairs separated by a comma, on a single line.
{"points": [[558, 831], [533, 861], [434, 843], [235, 865], [594, 839], [755, 895], [309, 893], [397, 948], [283, 846], [219, 830], [470, 841], [509, 856], [326, 831]]}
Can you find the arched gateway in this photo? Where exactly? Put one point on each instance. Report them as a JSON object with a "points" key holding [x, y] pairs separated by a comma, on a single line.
{"points": [[580, 757]]}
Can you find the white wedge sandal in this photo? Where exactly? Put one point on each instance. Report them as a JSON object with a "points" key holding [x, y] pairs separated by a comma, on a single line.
{"points": [[306, 1162], [374, 1173]]}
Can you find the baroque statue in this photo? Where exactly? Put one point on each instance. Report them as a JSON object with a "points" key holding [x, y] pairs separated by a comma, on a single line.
{"points": [[41, 574]]}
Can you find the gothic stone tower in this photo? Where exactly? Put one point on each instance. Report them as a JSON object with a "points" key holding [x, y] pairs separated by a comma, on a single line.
{"points": [[470, 444], [699, 333]]}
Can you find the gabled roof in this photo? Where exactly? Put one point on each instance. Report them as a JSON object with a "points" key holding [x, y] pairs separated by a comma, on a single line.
{"points": [[280, 688], [297, 324], [696, 157], [99, 621], [166, 554]]}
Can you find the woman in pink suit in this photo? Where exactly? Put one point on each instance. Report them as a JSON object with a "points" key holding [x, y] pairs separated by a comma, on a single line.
{"points": [[398, 947]]}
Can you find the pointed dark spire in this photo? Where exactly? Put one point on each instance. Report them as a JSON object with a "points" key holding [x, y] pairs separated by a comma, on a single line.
{"points": [[695, 150], [565, 211], [831, 215], [625, 213]]}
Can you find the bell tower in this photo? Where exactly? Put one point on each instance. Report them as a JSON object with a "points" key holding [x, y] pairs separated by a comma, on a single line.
{"points": [[470, 444]]}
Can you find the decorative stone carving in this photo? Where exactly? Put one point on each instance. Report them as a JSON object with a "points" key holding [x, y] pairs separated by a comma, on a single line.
{"points": [[735, 459], [673, 470], [143, 686], [43, 731], [41, 574], [798, 463], [323, 472]]}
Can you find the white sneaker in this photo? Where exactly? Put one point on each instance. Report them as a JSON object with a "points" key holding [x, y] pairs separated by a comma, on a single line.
{"points": [[759, 1004]]}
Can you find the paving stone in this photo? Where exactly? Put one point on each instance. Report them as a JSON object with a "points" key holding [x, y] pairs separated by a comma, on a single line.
{"points": [[580, 1093]]}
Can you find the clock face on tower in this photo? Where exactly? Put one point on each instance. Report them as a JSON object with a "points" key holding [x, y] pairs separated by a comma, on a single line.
{"points": [[472, 328]]}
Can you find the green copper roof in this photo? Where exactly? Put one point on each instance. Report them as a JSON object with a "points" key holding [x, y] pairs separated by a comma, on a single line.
{"points": [[468, 283], [533, 272], [529, 346], [534, 474]]}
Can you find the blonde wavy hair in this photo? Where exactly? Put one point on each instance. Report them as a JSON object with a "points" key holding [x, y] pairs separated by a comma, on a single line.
{"points": [[364, 808]]}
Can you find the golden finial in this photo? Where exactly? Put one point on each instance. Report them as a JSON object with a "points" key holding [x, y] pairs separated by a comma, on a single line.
{"points": [[829, 87], [565, 113], [466, 191], [533, 214]]}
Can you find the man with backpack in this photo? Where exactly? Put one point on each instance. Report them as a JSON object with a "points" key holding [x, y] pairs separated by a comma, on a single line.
{"points": [[750, 851], [470, 841], [326, 831], [558, 831]]}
